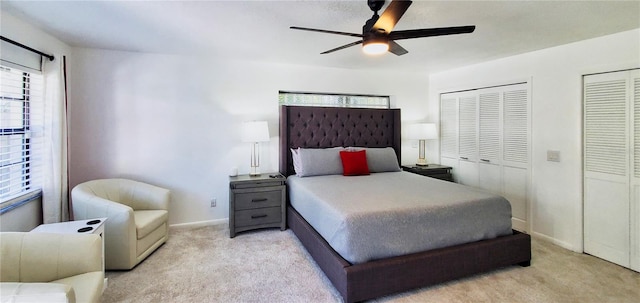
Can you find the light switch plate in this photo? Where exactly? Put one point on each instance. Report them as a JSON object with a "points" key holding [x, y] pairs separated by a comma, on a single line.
{"points": [[553, 155]]}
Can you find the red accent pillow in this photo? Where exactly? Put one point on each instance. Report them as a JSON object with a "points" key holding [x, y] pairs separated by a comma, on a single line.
{"points": [[354, 163]]}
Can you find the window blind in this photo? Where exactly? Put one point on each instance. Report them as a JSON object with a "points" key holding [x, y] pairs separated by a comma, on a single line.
{"points": [[17, 57], [21, 120]]}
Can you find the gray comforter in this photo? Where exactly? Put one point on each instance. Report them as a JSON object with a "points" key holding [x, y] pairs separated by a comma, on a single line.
{"points": [[382, 215]]}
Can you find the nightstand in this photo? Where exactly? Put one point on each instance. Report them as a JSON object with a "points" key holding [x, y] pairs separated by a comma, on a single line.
{"points": [[432, 170], [256, 202]]}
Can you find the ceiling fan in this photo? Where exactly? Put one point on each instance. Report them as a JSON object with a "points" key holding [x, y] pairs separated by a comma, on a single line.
{"points": [[377, 35]]}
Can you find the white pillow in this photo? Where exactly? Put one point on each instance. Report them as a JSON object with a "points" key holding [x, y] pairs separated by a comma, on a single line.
{"points": [[317, 161], [382, 159]]}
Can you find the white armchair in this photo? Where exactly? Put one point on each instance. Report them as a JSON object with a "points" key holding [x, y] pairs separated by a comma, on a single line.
{"points": [[137, 215]]}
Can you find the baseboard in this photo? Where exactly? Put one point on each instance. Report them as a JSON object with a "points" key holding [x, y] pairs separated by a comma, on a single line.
{"points": [[199, 223], [519, 225], [555, 241]]}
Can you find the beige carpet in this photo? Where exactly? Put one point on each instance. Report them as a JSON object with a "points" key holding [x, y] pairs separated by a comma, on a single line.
{"points": [[205, 265]]}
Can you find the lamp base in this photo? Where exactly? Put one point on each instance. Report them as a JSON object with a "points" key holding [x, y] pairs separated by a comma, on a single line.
{"points": [[422, 160], [254, 171], [255, 159]]}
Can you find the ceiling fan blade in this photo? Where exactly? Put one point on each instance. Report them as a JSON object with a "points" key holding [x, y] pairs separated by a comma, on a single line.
{"points": [[430, 32], [391, 15], [342, 47], [396, 49], [326, 31]]}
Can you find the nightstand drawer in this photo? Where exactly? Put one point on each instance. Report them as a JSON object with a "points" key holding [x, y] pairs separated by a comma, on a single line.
{"points": [[446, 177], [258, 199], [258, 184], [436, 171], [258, 216]]}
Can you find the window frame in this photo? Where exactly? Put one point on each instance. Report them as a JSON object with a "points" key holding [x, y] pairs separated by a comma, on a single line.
{"points": [[347, 98]]}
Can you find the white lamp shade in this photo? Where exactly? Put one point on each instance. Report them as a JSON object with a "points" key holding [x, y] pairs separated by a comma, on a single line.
{"points": [[422, 131], [255, 131]]}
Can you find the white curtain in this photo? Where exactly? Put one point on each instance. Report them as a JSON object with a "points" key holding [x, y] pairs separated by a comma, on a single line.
{"points": [[55, 187]]}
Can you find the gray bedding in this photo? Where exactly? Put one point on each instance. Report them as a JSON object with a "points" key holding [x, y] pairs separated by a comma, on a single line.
{"points": [[390, 214]]}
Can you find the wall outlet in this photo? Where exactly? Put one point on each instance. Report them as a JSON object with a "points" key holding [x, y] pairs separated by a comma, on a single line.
{"points": [[213, 202]]}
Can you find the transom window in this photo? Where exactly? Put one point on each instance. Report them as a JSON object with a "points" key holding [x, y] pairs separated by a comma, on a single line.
{"points": [[333, 100]]}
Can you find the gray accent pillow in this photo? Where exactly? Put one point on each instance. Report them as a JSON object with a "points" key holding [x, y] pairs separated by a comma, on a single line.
{"points": [[317, 161], [380, 159], [297, 164]]}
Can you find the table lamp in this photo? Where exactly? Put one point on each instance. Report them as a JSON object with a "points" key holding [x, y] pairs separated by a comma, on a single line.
{"points": [[422, 132]]}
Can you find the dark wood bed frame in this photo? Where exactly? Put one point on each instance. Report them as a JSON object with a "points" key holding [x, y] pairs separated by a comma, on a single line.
{"points": [[322, 127]]}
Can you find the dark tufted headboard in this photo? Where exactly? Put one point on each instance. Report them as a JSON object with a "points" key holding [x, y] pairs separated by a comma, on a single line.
{"points": [[322, 127]]}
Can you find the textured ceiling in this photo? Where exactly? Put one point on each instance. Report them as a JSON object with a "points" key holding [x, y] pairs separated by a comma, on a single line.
{"points": [[259, 30]]}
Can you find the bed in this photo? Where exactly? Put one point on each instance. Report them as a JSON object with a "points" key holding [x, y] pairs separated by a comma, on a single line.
{"points": [[362, 278]]}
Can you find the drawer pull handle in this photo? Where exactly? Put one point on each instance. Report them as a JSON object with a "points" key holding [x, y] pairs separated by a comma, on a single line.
{"points": [[259, 200], [464, 158], [485, 160], [257, 216]]}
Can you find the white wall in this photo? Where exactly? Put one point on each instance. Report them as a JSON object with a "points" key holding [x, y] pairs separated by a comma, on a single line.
{"points": [[556, 77], [173, 121]]}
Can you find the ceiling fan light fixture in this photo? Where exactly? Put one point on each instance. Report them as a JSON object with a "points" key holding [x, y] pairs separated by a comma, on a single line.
{"points": [[375, 47], [378, 36]]}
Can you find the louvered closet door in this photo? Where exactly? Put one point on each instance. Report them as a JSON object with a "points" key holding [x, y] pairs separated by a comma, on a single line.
{"points": [[492, 142], [515, 151], [449, 131], [489, 140], [607, 167], [635, 178], [516, 126], [468, 139]]}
